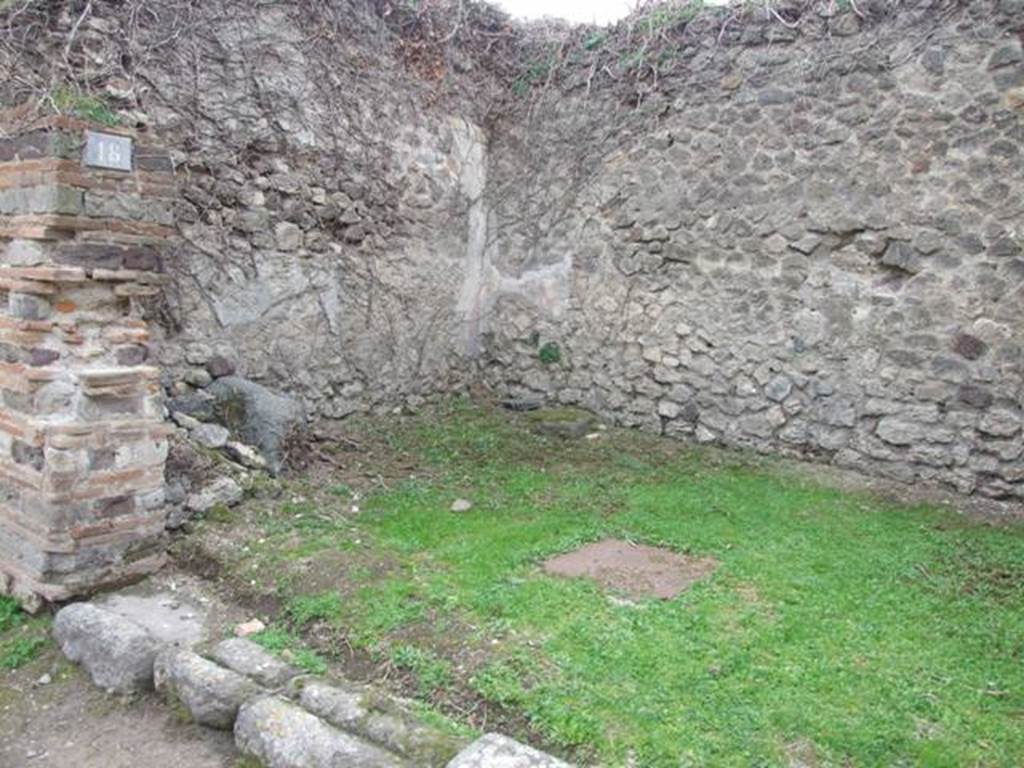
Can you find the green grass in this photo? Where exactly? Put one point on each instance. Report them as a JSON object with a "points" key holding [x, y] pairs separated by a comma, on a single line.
{"points": [[431, 672], [290, 647], [326, 606], [21, 636], [866, 632]]}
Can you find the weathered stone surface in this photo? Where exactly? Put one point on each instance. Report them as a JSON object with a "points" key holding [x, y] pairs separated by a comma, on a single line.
{"points": [[257, 415], [380, 719], [283, 735], [288, 236], [902, 256], [1001, 423], [219, 366], [898, 430], [495, 751], [184, 420], [845, 24], [968, 346], [210, 435], [222, 491], [169, 617], [210, 693], [245, 455], [249, 659], [197, 377], [198, 405], [118, 654], [779, 388]]}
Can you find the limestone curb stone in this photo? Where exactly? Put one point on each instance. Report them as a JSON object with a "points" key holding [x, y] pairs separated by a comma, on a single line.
{"points": [[117, 653], [210, 693], [283, 735], [247, 658], [379, 718], [496, 751], [306, 723]]}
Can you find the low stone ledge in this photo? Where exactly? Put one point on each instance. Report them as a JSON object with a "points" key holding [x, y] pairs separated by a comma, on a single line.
{"points": [[118, 654], [211, 694], [247, 658], [379, 718], [283, 735]]}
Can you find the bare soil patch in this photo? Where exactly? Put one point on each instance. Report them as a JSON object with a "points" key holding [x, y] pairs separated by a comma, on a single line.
{"points": [[70, 723], [636, 570]]}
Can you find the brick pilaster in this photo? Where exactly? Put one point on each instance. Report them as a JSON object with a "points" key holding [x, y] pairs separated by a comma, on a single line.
{"points": [[82, 441]]}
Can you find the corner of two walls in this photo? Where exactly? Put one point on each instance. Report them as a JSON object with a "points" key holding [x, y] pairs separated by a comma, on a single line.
{"points": [[323, 210], [810, 250], [803, 243]]}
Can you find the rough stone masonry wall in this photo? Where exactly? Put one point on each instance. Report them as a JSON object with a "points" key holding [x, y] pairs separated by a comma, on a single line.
{"points": [[803, 235], [322, 227], [82, 438], [807, 239]]}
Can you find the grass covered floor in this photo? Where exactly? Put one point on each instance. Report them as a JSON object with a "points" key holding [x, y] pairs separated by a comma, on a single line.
{"points": [[836, 630]]}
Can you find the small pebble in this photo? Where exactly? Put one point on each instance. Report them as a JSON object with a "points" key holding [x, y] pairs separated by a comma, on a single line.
{"points": [[251, 627], [461, 505]]}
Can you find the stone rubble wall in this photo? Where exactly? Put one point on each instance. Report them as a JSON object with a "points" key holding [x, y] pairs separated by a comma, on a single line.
{"points": [[82, 443], [323, 223], [808, 240], [322, 230], [804, 237]]}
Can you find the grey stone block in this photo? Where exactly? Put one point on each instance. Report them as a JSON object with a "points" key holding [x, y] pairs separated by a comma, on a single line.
{"points": [[283, 735], [495, 751], [379, 718], [257, 415], [249, 659], [211, 693], [211, 435], [223, 490], [118, 654]]}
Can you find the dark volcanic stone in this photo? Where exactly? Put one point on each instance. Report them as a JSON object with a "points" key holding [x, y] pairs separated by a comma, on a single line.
{"points": [[218, 366], [974, 396], [968, 346]]}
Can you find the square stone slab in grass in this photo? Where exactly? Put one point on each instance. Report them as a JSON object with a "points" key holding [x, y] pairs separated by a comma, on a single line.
{"points": [[634, 569]]}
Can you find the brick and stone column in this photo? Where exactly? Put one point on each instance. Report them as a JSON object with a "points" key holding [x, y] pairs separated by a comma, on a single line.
{"points": [[82, 438]]}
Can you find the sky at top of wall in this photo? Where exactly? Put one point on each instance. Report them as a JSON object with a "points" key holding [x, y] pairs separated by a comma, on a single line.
{"points": [[581, 11]]}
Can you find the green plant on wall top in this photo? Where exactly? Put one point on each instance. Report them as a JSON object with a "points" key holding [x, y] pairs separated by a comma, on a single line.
{"points": [[536, 72], [666, 15], [71, 101], [550, 353], [595, 40]]}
